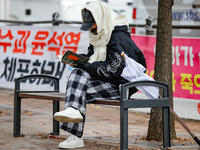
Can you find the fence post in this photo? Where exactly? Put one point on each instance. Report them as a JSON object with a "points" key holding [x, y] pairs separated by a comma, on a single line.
{"points": [[149, 26], [55, 17]]}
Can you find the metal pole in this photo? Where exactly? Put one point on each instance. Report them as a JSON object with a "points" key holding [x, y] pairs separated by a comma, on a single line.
{"points": [[184, 125], [17, 111], [56, 104], [123, 121], [166, 127]]}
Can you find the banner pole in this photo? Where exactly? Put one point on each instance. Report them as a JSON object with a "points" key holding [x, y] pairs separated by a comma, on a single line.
{"points": [[184, 125]]}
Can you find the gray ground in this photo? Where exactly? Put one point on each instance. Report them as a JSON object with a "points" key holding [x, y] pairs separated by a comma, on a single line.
{"points": [[101, 129]]}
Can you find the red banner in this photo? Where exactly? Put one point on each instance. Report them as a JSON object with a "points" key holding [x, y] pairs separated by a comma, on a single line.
{"points": [[186, 63]]}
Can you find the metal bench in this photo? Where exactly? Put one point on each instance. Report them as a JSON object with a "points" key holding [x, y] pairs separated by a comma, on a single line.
{"points": [[124, 103]]}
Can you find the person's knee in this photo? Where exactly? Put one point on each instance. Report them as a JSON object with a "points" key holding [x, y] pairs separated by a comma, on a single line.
{"points": [[80, 72]]}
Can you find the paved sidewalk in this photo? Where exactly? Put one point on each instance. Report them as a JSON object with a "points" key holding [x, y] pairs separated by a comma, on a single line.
{"points": [[101, 129]]}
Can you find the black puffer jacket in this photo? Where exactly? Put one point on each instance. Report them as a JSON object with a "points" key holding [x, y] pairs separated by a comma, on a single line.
{"points": [[111, 69]]}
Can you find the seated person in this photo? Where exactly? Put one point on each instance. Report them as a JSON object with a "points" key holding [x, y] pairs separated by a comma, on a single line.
{"points": [[100, 77]]}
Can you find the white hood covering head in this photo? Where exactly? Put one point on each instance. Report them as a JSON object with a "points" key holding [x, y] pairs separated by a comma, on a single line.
{"points": [[106, 19]]}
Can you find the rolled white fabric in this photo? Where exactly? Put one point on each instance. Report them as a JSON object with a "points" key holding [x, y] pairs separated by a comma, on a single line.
{"points": [[135, 72]]}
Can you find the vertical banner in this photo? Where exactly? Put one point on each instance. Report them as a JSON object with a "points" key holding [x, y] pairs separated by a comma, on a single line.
{"points": [[186, 63], [32, 50]]}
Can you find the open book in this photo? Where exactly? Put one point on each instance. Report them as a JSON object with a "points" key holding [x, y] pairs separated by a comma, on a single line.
{"points": [[70, 58]]}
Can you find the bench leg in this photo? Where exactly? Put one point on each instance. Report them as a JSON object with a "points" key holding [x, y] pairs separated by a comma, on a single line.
{"points": [[166, 127], [56, 124], [17, 116], [123, 128]]}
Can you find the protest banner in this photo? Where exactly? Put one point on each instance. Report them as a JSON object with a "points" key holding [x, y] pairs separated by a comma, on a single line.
{"points": [[185, 71], [29, 50]]}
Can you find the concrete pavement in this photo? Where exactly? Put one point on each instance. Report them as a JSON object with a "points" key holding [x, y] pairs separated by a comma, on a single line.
{"points": [[101, 128]]}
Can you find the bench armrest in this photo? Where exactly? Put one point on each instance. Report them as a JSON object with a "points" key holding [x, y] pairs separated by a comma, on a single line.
{"points": [[24, 78], [128, 85]]}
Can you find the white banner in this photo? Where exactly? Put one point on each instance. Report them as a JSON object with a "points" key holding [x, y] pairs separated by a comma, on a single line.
{"points": [[27, 50]]}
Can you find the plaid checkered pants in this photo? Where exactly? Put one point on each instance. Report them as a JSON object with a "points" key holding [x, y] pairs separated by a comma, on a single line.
{"points": [[82, 89]]}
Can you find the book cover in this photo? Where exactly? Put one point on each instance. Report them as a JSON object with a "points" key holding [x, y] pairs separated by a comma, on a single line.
{"points": [[70, 58]]}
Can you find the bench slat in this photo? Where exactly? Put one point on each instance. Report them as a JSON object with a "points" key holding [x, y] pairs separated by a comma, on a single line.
{"points": [[106, 102], [58, 96]]}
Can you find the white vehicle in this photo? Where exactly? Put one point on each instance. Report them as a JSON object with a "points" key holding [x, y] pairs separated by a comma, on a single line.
{"points": [[42, 10], [184, 12]]}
